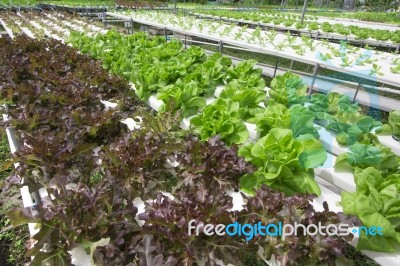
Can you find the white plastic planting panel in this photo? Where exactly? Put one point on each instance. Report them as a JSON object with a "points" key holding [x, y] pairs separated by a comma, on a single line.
{"points": [[384, 60]]}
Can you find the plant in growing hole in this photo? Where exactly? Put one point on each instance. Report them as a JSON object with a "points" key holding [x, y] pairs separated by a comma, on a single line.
{"points": [[221, 118], [300, 26], [364, 156], [224, 32], [238, 35], [395, 70], [212, 28], [309, 42], [370, 61], [353, 49], [326, 27], [243, 28], [289, 22], [344, 46], [362, 59], [393, 125], [335, 51], [346, 62], [271, 36], [327, 44], [185, 97], [324, 57], [375, 201], [351, 130], [280, 46], [189, 24], [256, 34], [313, 26], [290, 39], [200, 26], [284, 163], [376, 70], [288, 89], [299, 49], [248, 99], [297, 118]]}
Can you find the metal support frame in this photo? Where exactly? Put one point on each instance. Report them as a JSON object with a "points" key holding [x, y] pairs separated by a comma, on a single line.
{"points": [[104, 20], [357, 90], [221, 46], [185, 41], [276, 66], [314, 77], [303, 12], [175, 10]]}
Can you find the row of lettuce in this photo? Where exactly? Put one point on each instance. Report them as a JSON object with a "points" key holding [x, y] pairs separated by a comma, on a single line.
{"points": [[288, 148], [361, 33], [94, 168]]}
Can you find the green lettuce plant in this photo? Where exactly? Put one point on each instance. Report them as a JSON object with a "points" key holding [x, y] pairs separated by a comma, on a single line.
{"points": [[376, 203], [221, 118], [183, 97], [364, 156], [284, 163], [248, 98], [297, 118], [288, 89], [344, 118], [393, 125]]}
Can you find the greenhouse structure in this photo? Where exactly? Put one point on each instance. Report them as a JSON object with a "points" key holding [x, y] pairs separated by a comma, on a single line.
{"points": [[200, 133]]}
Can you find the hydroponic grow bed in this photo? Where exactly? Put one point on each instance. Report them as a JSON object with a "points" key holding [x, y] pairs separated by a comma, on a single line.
{"points": [[102, 51]]}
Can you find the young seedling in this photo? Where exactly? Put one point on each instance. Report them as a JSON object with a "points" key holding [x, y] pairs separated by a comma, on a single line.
{"points": [[200, 26], [346, 62], [238, 35], [376, 70], [324, 57], [309, 43], [290, 39], [395, 70], [335, 52], [271, 36], [300, 50], [280, 46], [257, 33]]}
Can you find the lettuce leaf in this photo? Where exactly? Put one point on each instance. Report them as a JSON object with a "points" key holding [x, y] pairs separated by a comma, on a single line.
{"points": [[297, 118], [283, 162], [288, 89], [376, 202], [393, 126], [364, 156], [221, 118]]}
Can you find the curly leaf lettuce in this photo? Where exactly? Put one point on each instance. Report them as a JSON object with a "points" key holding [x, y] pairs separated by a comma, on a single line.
{"points": [[221, 118], [297, 118], [364, 156], [288, 89], [393, 125], [283, 162], [184, 96], [376, 202]]}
